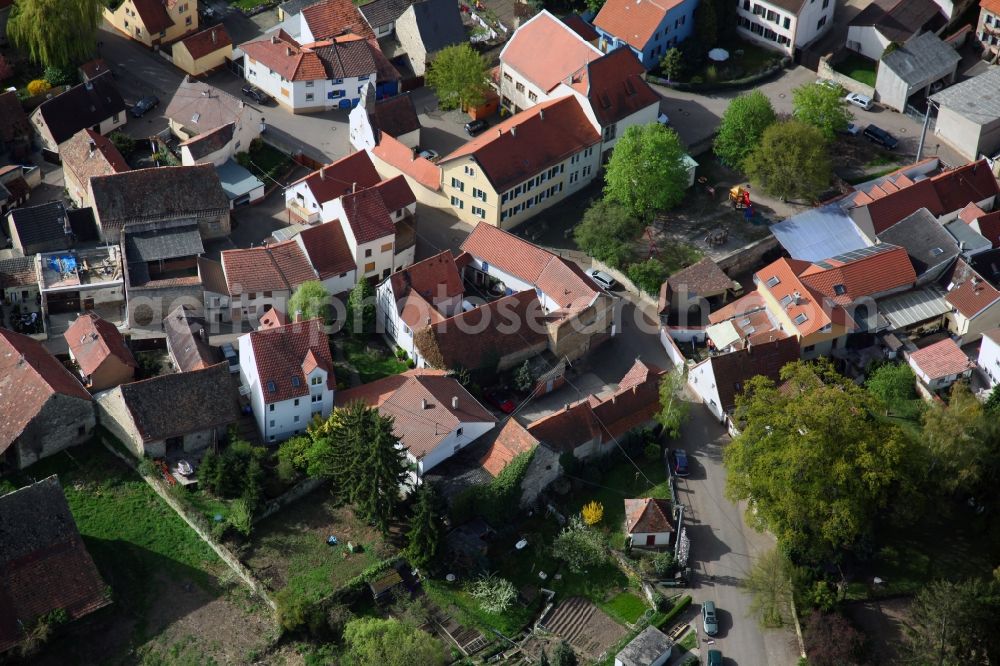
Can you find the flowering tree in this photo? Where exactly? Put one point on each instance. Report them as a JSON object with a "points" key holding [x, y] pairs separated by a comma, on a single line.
{"points": [[592, 513], [495, 594]]}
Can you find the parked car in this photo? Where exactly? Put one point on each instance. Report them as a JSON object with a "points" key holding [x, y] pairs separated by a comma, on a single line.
{"points": [[828, 83], [859, 100], [603, 280], [708, 619], [145, 105], [714, 658], [852, 129], [232, 358], [428, 154], [474, 127], [679, 462], [502, 400], [879, 136], [257, 95]]}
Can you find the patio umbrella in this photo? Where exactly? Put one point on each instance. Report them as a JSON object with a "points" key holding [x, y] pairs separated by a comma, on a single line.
{"points": [[718, 55]]}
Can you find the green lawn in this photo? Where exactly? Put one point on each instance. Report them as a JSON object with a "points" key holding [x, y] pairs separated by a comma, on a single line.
{"points": [[859, 68], [371, 360], [688, 642], [625, 607], [753, 60], [264, 161], [133, 536]]}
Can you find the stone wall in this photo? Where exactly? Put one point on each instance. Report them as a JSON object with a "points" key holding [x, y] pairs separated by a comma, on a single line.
{"points": [[826, 71], [298, 491], [63, 421], [748, 257], [114, 416]]}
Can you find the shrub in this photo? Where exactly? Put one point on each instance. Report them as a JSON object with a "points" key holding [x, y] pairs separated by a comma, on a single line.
{"points": [[38, 86], [684, 602], [62, 76], [592, 513], [123, 142], [241, 517], [495, 594], [147, 468], [663, 564], [652, 452], [648, 275], [579, 546], [498, 501]]}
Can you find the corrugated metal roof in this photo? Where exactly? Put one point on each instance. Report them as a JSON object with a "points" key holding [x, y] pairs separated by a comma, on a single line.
{"points": [[913, 307], [819, 233]]}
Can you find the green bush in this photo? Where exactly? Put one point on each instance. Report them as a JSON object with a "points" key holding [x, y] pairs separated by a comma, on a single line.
{"points": [[497, 501], [62, 76], [123, 142], [652, 452], [648, 275], [684, 602]]}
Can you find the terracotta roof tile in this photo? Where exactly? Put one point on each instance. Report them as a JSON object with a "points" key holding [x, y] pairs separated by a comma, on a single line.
{"points": [[286, 58], [402, 157], [970, 213], [733, 370], [420, 285], [279, 267], [883, 268], [648, 516], [941, 359], [615, 86], [93, 340], [806, 310], [29, 376], [327, 249], [633, 21], [274, 318], [280, 354], [104, 160], [510, 442], [331, 18], [18, 272], [968, 292], [346, 57], [153, 14], [703, 278], [530, 142], [339, 178], [369, 211], [210, 40], [989, 226], [565, 51], [992, 6]]}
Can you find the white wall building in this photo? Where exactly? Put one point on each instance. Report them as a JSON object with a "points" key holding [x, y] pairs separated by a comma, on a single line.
{"points": [[989, 356], [785, 25]]}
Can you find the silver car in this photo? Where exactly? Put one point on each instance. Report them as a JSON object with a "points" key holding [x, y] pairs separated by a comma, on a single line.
{"points": [[604, 280], [859, 100], [708, 619]]}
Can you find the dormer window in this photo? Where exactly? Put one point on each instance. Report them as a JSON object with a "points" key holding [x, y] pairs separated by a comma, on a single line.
{"points": [[800, 319], [296, 382], [773, 281], [271, 386], [839, 289]]}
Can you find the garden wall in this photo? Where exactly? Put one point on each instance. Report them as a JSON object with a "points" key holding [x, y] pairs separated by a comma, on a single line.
{"points": [[826, 71], [673, 351], [737, 84], [686, 334], [748, 257], [645, 300], [296, 492]]}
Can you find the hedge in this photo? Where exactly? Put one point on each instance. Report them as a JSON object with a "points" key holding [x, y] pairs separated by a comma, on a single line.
{"points": [[673, 612], [735, 84]]}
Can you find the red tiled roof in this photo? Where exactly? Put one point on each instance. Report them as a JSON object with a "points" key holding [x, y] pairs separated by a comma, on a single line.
{"points": [[560, 280], [281, 354], [733, 370], [420, 429], [648, 515], [565, 51], [638, 374], [153, 14], [105, 159], [402, 157], [341, 177], [633, 21], [970, 213], [614, 85], [286, 57], [273, 318], [742, 306], [423, 284], [200, 44], [93, 340], [874, 274], [328, 250], [279, 267], [91, 68], [530, 142], [807, 304], [332, 18], [510, 442], [941, 359], [580, 27], [369, 211], [29, 376], [992, 6], [969, 293], [989, 226]]}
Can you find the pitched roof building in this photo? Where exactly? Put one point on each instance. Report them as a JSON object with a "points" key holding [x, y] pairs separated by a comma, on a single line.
{"points": [[333, 18], [649, 521], [278, 267], [85, 155], [941, 364], [15, 128], [198, 107], [44, 564], [96, 103], [99, 350], [647, 27], [41, 228], [187, 340]]}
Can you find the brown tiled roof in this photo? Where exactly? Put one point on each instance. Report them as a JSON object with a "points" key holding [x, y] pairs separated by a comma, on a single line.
{"points": [[941, 359], [211, 141], [614, 85], [510, 442], [565, 51], [530, 142], [843, 280], [394, 116], [648, 516], [989, 227], [560, 280], [970, 213], [733, 370], [402, 157], [420, 285], [18, 272], [213, 278], [93, 340], [331, 18], [751, 302], [969, 293], [703, 278], [153, 14], [13, 120], [104, 160], [81, 106], [346, 57], [92, 68], [182, 403], [44, 564], [807, 304], [341, 177], [420, 429], [201, 107], [580, 27], [633, 21], [184, 330], [29, 376], [273, 318], [470, 339], [279, 267], [327, 249], [201, 44], [369, 211], [281, 354]]}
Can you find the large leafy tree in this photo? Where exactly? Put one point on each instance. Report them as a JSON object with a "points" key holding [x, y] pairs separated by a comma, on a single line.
{"points": [[821, 106], [963, 444], [55, 33], [646, 172], [459, 77], [954, 623], [673, 408], [606, 233], [311, 299], [770, 586], [791, 161], [424, 536], [389, 643], [579, 546], [831, 640], [817, 461], [742, 126], [361, 308], [892, 383]]}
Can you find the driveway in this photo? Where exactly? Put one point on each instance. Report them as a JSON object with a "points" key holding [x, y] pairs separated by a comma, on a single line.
{"points": [[722, 550]]}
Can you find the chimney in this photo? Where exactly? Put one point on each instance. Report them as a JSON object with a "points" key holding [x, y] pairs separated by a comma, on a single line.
{"points": [[322, 173], [201, 334], [213, 37], [274, 39], [454, 402], [513, 130], [354, 187], [423, 403], [566, 406], [499, 132], [298, 316], [541, 114], [288, 51], [92, 146]]}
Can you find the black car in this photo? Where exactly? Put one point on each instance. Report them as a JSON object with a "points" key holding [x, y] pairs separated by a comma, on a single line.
{"points": [[474, 127], [679, 462], [144, 105], [879, 136], [257, 95]]}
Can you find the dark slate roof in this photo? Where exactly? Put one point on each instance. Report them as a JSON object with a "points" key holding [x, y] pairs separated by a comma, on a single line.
{"points": [[17, 272], [157, 244], [82, 106], [40, 224], [44, 565], [292, 7], [899, 21], [395, 116], [188, 345], [346, 59], [158, 193], [383, 12], [926, 241], [182, 403], [81, 221], [439, 23], [211, 141], [924, 58]]}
